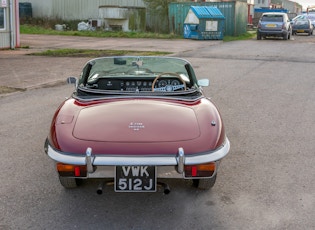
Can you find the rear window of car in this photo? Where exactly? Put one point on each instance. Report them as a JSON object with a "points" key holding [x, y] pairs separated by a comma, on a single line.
{"points": [[272, 18], [301, 22]]}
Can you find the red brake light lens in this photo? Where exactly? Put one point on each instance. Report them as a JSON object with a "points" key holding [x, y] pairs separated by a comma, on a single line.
{"points": [[202, 170], [71, 170]]}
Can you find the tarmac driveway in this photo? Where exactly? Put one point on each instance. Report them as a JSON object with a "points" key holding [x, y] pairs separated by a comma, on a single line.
{"points": [[18, 70], [266, 96]]}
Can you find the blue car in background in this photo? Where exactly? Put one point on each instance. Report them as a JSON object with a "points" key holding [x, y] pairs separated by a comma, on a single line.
{"points": [[302, 25], [310, 16]]}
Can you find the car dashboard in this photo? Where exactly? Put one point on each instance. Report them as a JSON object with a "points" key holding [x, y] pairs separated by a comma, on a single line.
{"points": [[133, 83]]}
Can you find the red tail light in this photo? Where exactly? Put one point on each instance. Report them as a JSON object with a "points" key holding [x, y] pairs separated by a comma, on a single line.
{"points": [[202, 170], [71, 170]]}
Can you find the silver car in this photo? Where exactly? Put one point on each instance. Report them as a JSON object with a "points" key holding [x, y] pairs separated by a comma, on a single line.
{"points": [[274, 25]]}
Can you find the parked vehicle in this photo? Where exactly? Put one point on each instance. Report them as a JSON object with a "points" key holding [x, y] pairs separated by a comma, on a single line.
{"points": [[301, 16], [310, 16], [136, 120], [274, 25], [302, 25]]}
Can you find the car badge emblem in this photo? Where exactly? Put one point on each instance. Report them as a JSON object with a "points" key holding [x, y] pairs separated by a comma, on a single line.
{"points": [[136, 126]]}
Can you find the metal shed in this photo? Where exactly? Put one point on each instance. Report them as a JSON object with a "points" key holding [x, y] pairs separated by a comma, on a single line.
{"points": [[204, 23]]}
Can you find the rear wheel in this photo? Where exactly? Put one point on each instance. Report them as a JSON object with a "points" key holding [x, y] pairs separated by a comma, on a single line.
{"points": [[205, 184], [68, 182], [258, 36]]}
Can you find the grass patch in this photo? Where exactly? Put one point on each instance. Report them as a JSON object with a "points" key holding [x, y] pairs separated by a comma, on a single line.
{"points": [[96, 53], [33, 29], [246, 36]]}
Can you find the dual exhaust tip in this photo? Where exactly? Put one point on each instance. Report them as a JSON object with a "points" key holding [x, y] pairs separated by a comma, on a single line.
{"points": [[99, 191]]}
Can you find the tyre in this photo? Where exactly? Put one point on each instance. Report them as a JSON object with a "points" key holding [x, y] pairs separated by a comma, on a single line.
{"points": [[68, 182], [205, 184], [285, 36], [258, 36]]}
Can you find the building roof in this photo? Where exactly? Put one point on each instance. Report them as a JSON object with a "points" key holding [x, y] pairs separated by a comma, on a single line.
{"points": [[206, 12]]}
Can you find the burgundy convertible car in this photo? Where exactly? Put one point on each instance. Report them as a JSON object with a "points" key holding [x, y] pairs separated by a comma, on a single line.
{"points": [[133, 121]]}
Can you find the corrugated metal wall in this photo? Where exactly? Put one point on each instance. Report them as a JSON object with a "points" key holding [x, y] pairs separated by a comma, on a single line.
{"points": [[235, 14], [241, 17], [5, 32], [9, 38], [157, 22], [4, 40], [76, 9]]}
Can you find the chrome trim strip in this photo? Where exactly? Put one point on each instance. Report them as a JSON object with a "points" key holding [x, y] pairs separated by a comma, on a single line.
{"points": [[130, 160], [171, 98]]}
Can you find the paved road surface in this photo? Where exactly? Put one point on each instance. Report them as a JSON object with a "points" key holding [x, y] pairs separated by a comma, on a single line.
{"points": [[266, 97]]}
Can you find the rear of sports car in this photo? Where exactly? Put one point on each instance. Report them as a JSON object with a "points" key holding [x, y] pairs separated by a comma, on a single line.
{"points": [[135, 143]]}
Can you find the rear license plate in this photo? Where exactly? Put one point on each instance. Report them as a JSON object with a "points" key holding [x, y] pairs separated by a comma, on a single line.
{"points": [[135, 179], [300, 31], [271, 25]]}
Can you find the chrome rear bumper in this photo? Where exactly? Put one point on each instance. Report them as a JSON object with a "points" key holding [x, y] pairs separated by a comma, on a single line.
{"points": [[167, 166]]}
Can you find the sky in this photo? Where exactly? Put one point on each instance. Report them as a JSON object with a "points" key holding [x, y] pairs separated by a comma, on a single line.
{"points": [[305, 3]]}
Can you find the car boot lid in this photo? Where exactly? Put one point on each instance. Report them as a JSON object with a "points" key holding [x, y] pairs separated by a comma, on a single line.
{"points": [[136, 121]]}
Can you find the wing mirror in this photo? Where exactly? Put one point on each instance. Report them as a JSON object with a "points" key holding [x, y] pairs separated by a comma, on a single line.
{"points": [[204, 82], [73, 80]]}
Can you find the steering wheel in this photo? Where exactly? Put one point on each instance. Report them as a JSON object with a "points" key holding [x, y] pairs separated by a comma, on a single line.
{"points": [[168, 88]]}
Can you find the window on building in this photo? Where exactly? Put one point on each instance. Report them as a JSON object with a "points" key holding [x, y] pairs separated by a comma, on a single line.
{"points": [[2, 18]]}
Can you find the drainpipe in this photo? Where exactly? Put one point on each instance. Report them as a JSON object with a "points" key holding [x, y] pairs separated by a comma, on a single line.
{"points": [[12, 44]]}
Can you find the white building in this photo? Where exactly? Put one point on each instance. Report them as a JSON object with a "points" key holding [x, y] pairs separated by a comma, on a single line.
{"points": [[9, 24]]}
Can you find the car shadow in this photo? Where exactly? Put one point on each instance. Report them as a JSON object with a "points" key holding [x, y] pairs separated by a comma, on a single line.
{"points": [[135, 210]]}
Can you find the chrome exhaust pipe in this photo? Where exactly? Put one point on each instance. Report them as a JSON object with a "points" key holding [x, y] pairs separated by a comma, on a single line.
{"points": [[99, 190], [166, 188]]}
